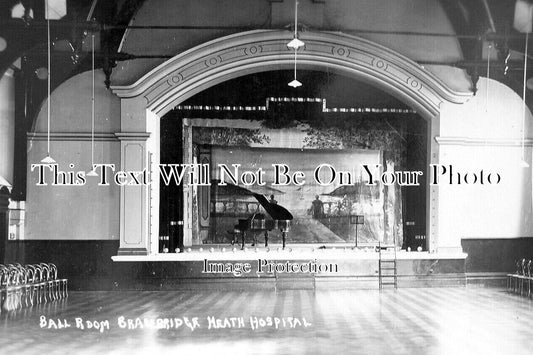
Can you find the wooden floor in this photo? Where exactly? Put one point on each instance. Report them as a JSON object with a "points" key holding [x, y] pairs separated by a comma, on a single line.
{"points": [[406, 321]]}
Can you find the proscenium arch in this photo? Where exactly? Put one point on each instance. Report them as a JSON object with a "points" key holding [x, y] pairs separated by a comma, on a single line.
{"points": [[266, 50], [263, 50]]}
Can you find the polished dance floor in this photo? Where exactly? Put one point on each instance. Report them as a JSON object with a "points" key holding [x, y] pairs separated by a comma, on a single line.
{"points": [[406, 321]]}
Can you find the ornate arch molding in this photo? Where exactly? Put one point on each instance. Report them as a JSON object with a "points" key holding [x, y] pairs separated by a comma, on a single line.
{"points": [[232, 56], [244, 53]]}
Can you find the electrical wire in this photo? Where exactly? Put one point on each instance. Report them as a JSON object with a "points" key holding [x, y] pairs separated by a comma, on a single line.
{"points": [[524, 163], [48, 159]]}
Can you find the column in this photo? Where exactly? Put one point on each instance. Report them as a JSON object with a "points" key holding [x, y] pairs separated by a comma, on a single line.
{"points": [[134, 199]]}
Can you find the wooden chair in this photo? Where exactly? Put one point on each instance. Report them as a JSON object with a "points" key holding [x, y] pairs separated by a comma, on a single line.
{"points": [[521, 276], [527, 275], [512, 279], [14, 286], [4, 274], [61, 285], [30, 289]]}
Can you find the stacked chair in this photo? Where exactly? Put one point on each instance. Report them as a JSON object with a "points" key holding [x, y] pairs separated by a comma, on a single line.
{"points": [[520, 281], [28, 285]]}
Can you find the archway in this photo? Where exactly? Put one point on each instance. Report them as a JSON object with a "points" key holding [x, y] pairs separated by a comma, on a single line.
{"points": [[229, 57]]}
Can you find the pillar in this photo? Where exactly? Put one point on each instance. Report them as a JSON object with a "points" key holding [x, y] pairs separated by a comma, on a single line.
{"points": [[134, 199]]}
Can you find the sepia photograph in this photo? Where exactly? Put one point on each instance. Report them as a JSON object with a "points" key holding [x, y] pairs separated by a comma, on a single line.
{"points": [[266, 177]]}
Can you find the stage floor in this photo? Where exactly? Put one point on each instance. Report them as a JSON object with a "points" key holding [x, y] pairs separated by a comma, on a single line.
{"points": [[405, 321]]}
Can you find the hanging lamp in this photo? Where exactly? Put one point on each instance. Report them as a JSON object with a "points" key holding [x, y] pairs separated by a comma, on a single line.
{"points": [[92, 172], [48, 159], [295, 43]]}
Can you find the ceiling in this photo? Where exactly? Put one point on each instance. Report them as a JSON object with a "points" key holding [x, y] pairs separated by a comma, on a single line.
{"points": [[134, 36]]}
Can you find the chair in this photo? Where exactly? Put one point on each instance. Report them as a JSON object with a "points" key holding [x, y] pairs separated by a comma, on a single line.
{"points": [[61, 285], [3, 285], [23, 286], [528, 276], [29, 287], [44, 285], [38, 284], [521, 276], [13, 289]]}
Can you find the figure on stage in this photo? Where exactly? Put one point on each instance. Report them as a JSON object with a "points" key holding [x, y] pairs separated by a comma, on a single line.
{"points": [[317, 208], [272, 200]]}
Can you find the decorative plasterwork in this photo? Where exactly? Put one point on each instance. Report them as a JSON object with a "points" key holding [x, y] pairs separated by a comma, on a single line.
{"points": [[244, 53]]}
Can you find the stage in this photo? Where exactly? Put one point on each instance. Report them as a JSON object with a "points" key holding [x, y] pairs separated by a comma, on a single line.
{"points": [[338, 266]]}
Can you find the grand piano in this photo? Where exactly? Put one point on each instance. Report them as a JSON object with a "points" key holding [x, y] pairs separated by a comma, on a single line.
{"points": [[257, 222]]}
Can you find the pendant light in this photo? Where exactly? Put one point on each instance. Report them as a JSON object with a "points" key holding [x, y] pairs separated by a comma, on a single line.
{"points": [[92, 172], [295, 83], [48, 159], [295, 43]]}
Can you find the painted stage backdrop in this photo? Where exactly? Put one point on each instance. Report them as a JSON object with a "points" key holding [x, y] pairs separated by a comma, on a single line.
{"points": [[322, 214]]}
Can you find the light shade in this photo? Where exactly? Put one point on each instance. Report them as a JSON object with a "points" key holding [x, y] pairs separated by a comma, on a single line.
{"points": [[48, 160], [18, 10], [55, 9], [4, 182], [3, 44], [529, 83], [92, 173], [295, 83], [295, 43], [522, 16]]}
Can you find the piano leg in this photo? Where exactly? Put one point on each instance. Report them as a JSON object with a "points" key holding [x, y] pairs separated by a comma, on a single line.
{"points": [[243, 238], [283, 237], [266, 239]]}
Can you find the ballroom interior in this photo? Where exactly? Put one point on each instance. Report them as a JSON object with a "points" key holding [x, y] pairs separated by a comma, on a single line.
{"points": [[373, 150]]}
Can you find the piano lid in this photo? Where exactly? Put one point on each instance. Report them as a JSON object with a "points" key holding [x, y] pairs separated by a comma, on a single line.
{"points": [[273, 209]]}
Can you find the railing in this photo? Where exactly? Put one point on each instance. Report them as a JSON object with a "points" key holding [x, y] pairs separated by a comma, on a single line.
{"points": [[25, 286]]}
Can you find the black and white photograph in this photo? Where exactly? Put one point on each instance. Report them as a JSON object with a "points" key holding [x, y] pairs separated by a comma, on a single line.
{"points": [[266, 177]]}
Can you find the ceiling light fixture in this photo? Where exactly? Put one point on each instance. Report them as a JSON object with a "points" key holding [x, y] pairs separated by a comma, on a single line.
{"points": [[22, 12], [48, 159], [3, 44], [295, 43], [93, 171]]}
